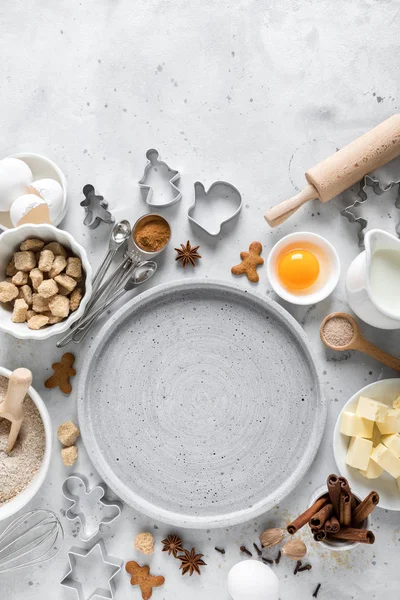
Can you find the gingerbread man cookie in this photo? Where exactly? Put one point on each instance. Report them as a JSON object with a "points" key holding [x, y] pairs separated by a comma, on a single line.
{"points": [[141, 576], [250, 261], [62, 372]]}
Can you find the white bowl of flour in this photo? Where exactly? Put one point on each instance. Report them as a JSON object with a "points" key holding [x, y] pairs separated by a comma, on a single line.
{"points": [[23, 472]]}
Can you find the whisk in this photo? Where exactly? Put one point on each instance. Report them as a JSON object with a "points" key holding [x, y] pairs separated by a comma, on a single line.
{"points": [[32, 538]]}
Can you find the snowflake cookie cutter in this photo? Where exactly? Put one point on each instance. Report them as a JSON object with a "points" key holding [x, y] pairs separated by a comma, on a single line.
{"points": [[350, 214], [112, 565], [222, 203], [89, 505], [95, 208], [156, 165]]}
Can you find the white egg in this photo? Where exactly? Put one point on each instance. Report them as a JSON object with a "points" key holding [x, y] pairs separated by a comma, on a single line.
{"points": [[15, 179], [52, 192], [22, 205], [253, 580]]}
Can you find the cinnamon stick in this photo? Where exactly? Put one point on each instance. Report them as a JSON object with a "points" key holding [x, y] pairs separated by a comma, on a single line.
{"points": [[365, 508], [344, 486], [318, 520], [344, 510], [319, 535], [351, 534], [334, 525], [307, 514], [334, 489]]}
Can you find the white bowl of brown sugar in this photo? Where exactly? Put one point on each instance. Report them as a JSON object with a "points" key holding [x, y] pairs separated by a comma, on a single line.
{"points": [[24, 469]]}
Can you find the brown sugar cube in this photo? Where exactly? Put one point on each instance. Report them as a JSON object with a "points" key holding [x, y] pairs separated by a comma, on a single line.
{"points": [[69, 455], [56, 249], [144, 542], [59, 306], [30, 313], [10, 268], [8, 291], [24, 261], [75, 299], [32, 244], [62, 290], [25, 293], [74, 268], [20, 278], [68, 433], [59, 265], [19, 311], [37, 321], [48, 288], [46, 260], [52, 319], [40, 304], [36, 276], [66, 281]]}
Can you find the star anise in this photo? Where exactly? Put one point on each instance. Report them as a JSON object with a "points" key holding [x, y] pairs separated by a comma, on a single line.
{"points": [[172, 545], [191, 562], [187, 254]]}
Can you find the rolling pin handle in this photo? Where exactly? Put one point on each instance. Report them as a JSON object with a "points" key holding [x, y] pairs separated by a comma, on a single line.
{"points": [[278, 214]]}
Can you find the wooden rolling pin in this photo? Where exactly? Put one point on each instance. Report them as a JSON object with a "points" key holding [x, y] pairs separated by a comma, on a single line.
{"points": [[344, 168]]}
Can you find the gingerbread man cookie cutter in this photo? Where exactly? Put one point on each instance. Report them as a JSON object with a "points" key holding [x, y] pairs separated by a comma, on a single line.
{"points": [[154, 165], [95, 208], [211, 209], [90, 506]]}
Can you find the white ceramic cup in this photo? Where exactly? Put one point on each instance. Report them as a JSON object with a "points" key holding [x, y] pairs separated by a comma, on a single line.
{"points": [[10, 508]]}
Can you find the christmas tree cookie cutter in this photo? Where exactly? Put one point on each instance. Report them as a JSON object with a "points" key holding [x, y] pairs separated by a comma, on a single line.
{"points": [[106, 564], [160, 168], [350, 214], [89, 505], [221, 203], [95, 207]]}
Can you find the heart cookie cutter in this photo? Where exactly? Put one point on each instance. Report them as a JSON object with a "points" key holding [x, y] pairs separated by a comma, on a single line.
{"points": [[100, 511], [222, 203], [158, 166], [112, 565]]}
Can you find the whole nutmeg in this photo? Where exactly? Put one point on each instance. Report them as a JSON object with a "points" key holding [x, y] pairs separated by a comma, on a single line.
{"points": [[294, 549], [144, 542], [271, 537]]}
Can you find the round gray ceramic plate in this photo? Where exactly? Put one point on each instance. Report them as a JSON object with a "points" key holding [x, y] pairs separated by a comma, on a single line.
{"points": [[199, 404]]}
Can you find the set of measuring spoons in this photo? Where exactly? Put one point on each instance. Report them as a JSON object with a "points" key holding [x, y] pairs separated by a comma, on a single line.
{"points": [[135, 268]]}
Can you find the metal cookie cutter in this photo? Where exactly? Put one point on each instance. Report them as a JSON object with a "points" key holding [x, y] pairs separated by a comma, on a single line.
{"points": [[210, 210], [104, 575], [95, 207], [378, 189], [154, 165], [89, 506]]}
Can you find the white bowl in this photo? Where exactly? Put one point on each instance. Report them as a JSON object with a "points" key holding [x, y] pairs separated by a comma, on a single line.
{"points": [[338, 545], [10, 508], [329, 267], [385, 391], [10, 241]]}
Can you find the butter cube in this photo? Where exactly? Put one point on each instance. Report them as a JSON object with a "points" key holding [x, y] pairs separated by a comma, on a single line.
{"points": [[387, 460], [355, 426], [376, 436], [358, 453], [393, 443], [373, 471], [371, 409], [391, 423]]}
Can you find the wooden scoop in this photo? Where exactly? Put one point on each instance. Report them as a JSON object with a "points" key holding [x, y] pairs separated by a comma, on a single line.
{"points": [[358, 342], [11, 408]]}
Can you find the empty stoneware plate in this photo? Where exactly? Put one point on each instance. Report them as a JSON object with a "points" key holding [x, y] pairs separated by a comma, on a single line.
{"points": [[210, 210], [199, 404]]}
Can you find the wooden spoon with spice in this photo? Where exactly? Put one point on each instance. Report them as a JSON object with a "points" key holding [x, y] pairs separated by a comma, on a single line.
{"points": [[340, 331], [11, 408]]}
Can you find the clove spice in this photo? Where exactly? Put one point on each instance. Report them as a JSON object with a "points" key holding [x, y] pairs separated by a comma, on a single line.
{"points": [[267, 561], [278, 558], [315, 594], [220, 550], [245, 551], [307, 567], [257, 549], [298, 565]]}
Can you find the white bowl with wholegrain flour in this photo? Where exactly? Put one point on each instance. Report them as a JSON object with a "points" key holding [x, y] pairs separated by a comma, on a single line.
{"points": [[23, 472]]}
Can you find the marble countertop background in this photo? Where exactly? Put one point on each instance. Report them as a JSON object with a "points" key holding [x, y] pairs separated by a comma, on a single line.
{"points": [[252, 92]]}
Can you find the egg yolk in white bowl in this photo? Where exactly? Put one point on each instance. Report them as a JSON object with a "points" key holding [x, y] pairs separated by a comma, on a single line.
{"points": [[298, 269]]}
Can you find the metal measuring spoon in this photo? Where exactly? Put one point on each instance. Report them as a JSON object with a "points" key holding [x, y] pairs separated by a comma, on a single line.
{"points": [[119, 234], [357, 342]]}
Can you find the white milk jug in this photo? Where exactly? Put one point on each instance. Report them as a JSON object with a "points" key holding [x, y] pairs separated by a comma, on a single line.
{"points": [[373, 281]]}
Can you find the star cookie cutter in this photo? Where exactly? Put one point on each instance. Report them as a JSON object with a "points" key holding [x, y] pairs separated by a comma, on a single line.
{"points": [[95, 207], [70, 581], [350, 214], [89, 506], [222, 202], [158, 166]]}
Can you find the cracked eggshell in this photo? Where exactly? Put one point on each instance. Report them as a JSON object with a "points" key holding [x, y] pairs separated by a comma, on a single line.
{"points": [[253, 580], [22, 205], [15, 179], [51, 191]]}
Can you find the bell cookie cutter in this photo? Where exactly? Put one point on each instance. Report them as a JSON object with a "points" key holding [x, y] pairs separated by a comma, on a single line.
{"points": [[93, 498], [95, 207], [114, 567], [350, 214], [161, 167], [222, 203]]}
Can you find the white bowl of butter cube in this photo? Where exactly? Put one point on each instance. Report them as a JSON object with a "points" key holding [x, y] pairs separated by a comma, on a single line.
{"points": [[366, 442]]}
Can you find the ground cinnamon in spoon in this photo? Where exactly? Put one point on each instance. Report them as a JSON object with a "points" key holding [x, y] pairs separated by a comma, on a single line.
{"points": [[338, 331], [153, 235]]}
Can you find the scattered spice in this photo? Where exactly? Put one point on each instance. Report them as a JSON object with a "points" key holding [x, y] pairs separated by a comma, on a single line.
{"points": [[315, 594], [152, 235], [244, 549], [172, 545], [191, 562], [338, 331], [298, 565], [220, 550], [257, 549], [268, 561], [305, 568], [278, 558], [187, 254]]}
